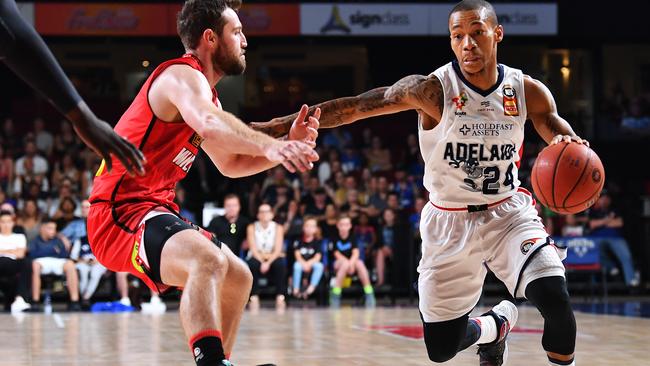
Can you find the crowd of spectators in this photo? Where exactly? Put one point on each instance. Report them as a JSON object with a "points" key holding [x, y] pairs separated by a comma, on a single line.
{"points": [[354, 217]]}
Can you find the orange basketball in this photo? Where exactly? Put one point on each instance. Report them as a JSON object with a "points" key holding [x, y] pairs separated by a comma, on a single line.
{"points": [[567, 177]]}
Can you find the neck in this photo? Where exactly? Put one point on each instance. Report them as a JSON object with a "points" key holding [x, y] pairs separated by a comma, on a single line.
{"points": [[213, 75], [309, 237], [231, 218], [4, 232], [485, 78]]}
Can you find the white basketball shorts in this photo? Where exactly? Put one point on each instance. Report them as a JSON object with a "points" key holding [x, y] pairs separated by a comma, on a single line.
{"points": [[459, 247]]}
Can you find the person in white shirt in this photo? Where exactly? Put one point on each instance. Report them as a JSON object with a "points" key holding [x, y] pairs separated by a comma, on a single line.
{"points": [[13, 248]]}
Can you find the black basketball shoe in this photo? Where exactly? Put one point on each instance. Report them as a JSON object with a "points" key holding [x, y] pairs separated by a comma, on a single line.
{"points": [[496, 353]]}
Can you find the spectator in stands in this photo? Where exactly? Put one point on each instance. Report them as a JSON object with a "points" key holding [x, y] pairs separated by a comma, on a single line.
{"points": [[385, 244], [328, 223], [66, 212], [605, 224], [50, 256], [66, 168], [351, 206], [337, 138], [88, 175], [316, 204], [325, 167], [14, 267], [293, 224], [265, 258], [366, 235], [414, 218], [30, 219], [31, 167], [378, 199], [307, 252], [231, 227], [90, 271], [350, 160], [347, 263], [66, 141], [10, 140], [405, 188], [35, 194], [44, 140], [65, 192], [6, 170], [379, 158]]}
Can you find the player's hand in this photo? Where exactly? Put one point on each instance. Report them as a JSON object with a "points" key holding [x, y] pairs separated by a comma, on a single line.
{"points": [[305, 129], [293, 155], [100, 137], [568, 138]]}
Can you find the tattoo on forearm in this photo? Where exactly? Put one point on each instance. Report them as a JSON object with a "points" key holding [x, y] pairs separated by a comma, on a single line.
{"points": [[555, 125]]}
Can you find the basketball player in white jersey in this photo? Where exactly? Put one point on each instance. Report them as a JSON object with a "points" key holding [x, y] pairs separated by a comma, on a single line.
{"points": [[471, 129]]}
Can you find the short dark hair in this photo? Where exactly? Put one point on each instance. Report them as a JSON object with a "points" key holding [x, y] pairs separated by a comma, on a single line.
{"points": [[47, 220], [6, 213], [230, 196], [466, 5], [198, 15]]}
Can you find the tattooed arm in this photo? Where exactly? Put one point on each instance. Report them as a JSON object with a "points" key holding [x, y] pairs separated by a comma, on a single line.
{"points": [[422, 93], [543, 112]]}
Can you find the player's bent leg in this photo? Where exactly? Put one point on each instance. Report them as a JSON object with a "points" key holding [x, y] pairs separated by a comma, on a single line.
{"points": [[189, 260], [444, 339], [550, 296], [234, 294]]}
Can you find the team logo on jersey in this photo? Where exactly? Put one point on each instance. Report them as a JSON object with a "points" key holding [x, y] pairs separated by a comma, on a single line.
{"points": [[196, 140], [510, 101], [473, 159], [460, 101], [184, 159], [526, 246]]}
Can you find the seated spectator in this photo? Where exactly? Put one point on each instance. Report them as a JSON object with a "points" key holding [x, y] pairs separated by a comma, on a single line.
{"points": [[13, 265], [66, 168], [65, 191], [231, 227], [350, 160], [307, 252], [50, 256], [66, 212], [347, 263], [293, 224], [378, 196], [366, 235], [379, 159], [351, 206], [405, 189], [265, 239], [90, 270], [328, 224], [414, 218], [44, 140], [385, 244], [605, 224], [30, 219], [30, 168], [6, 170], [315, 204]]}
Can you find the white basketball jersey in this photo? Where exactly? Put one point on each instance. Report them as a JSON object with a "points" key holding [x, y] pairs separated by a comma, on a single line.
{"points": [[471, 157]]}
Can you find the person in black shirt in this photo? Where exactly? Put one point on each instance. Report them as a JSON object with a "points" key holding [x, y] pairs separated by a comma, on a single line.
{"points": [[347, 262], [307, 252], [231, 227]]}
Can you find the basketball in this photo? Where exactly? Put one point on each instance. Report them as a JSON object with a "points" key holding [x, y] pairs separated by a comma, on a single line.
{"points": [[567, 177]]}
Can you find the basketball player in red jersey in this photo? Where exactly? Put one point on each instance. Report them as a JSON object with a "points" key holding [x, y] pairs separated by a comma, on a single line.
{"points": [[472, 113], [25, 53], [134, 225]]}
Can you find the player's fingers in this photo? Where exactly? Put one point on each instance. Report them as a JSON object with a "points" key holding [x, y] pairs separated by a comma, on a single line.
{"points": [[586, 143], [312, 134], [299, 159], [313, 122], [130, 158], [317, 113], [567, 138], [303, 113]]}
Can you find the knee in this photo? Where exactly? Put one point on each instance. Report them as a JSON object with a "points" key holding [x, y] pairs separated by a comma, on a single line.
{"points": [[318, 265], [212, 261], [550, 296], [36, 267], [68, 265]]}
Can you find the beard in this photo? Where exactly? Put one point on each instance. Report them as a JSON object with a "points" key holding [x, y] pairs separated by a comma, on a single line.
{"points": [[225, 60]]}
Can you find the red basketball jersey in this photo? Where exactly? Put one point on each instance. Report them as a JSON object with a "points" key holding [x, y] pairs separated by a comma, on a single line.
{"points": [[170, 149]]}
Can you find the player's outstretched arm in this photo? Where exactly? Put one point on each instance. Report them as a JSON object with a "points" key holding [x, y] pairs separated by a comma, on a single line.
{"points": [[25, 53], [423, 93], [543, 112], [236, 149]]}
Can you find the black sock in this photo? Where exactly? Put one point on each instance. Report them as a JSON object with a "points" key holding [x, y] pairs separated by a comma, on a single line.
{"points": [[207, 348]]}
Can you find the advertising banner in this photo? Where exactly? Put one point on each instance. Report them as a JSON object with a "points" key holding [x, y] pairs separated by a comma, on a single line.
{"points": [[364, 19]]}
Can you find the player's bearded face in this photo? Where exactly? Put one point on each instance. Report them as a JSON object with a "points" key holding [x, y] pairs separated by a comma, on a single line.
{"points": [[229, 58]]}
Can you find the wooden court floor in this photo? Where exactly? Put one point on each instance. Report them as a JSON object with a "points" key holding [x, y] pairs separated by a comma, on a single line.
{"points": [[297, 337]]}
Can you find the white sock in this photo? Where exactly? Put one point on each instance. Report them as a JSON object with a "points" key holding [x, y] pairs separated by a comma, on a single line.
{"points": [[551, 363], [125, 301], [489, 330]]}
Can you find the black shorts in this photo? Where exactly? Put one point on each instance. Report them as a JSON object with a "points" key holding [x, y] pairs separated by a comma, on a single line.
{"points": [[157, 230]]}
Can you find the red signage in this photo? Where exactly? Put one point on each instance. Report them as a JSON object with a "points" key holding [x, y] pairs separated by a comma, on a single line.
{"points": [[128, 19]]}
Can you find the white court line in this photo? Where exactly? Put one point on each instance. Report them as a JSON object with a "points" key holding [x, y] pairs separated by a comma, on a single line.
{"points": [[58, 320]]}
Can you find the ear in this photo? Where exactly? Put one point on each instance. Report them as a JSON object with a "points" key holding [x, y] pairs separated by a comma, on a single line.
{"points": [[210, 38], [498, 31]]}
